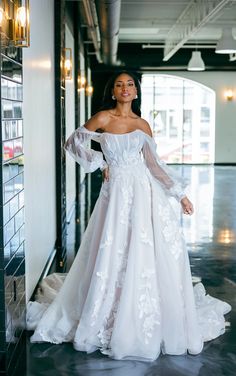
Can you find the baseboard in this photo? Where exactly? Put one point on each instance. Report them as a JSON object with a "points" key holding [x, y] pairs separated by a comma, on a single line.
{"points": [[48, 265], [225, 164], [46, 270]]}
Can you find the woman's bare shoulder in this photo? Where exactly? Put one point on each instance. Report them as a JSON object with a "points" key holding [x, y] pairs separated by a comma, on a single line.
{"points": [[144, 126], [97, 121]]}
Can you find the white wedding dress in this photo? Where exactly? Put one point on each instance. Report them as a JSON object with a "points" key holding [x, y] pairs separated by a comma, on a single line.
{"points": [[129, 291]]}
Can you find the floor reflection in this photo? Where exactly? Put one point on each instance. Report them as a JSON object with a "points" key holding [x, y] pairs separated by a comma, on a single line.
{"points": [[211, 243], [63, 360]]}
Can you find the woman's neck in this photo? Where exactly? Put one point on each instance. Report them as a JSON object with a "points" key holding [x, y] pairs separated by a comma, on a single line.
{"points": [[123, 110]]}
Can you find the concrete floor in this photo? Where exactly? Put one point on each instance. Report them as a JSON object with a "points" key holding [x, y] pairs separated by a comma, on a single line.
{"points": [[211, 240]]}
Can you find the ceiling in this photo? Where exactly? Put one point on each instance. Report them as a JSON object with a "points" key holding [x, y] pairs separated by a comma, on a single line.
{"points": [[150, 21], [146, 26]]}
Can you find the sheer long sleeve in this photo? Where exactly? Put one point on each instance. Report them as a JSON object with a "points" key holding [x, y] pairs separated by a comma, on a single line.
{"points": [[78, 146], [168, 179]]}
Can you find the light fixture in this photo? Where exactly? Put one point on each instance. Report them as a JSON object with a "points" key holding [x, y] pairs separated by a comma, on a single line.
{"points": [[89, 90], [226, 44], [67, 63], [196, 63], [21, 16], [14, 23], [4, 25], [81, 82], [229, 94], [2, 14]]}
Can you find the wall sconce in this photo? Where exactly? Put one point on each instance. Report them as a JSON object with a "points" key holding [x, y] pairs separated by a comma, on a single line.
{"points": [[68, 63], [21, 32], [229, 94], [81, 83], [89, 90], [14, 23]]}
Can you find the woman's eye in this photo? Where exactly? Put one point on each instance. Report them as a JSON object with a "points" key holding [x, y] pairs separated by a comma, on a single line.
{"points": [[130, 84]]}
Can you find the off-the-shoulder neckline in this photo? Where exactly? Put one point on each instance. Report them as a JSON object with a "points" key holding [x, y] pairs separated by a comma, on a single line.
{"points": [[122, 134], [116, 134]]}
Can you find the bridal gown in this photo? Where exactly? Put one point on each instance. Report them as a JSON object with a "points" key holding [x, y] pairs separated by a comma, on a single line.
{"points": [[129, 291]]}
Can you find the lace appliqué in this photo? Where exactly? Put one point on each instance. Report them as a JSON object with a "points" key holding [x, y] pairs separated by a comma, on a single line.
{"points": [[172, 233], [102, 281], [125, 212], [113, 299], [131, 157], [148, 305], [108, 241], [145, 183], [144, 237], [122, 254], [102, 276], [105, 332]]}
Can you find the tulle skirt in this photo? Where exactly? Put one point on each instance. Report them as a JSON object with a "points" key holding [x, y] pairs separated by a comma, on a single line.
{"points": [[129, 291]]}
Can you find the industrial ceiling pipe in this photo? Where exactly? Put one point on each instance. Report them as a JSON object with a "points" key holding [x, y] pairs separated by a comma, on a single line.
{"points": [[109, 23]]}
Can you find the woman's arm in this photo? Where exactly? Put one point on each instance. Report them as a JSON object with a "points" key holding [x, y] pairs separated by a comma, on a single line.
{"points": [[78, 145], [171, 183]]}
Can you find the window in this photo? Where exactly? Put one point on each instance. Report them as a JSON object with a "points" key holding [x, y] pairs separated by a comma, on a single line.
{"points": [[181, 113]]}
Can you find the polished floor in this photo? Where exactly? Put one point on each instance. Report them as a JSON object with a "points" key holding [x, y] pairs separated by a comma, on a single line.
{"points": [[211, 239]]}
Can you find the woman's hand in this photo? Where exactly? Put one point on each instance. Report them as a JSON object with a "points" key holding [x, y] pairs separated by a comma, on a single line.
{"points": [[187, 206], [105, 174]]}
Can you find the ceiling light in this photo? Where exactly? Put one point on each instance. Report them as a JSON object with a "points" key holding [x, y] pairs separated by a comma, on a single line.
{"points": [[196, 63], [226, 44]]}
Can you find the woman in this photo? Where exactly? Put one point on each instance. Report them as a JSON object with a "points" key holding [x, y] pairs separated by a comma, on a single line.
{"points": [[129, 291]]}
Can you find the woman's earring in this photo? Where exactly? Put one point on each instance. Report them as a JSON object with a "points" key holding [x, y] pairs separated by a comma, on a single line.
{"points": [[136, 97], [113, 97]]}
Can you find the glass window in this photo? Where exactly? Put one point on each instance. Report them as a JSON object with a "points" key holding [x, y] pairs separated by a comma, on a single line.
{"points": [[181, 114], [159, 123]]}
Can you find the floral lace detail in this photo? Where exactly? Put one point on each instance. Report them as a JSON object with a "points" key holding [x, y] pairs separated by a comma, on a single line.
{"points": [[96, 308], [105, 332], [148, 305], [108, 241], [144, 237], [145, 183], [113, 299], [131, 157], [125, 212], [172, 233], [103, 276], [122, 264]]}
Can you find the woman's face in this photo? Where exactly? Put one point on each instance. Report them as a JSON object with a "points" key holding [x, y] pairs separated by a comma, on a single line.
{"points": [[124, 88]]}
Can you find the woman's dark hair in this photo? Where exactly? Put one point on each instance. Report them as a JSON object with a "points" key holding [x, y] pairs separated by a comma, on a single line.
{"points": [[108, 103]]}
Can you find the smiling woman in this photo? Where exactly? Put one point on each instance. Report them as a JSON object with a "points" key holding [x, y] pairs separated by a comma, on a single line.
{"points": [[129, 291], [109, 99]]}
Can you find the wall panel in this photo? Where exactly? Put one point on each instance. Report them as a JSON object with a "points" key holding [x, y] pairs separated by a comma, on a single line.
{"points": [[39, 116]]}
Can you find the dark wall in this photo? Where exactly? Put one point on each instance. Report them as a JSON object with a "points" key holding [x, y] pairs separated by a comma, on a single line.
{"points": [[12, 243]]}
